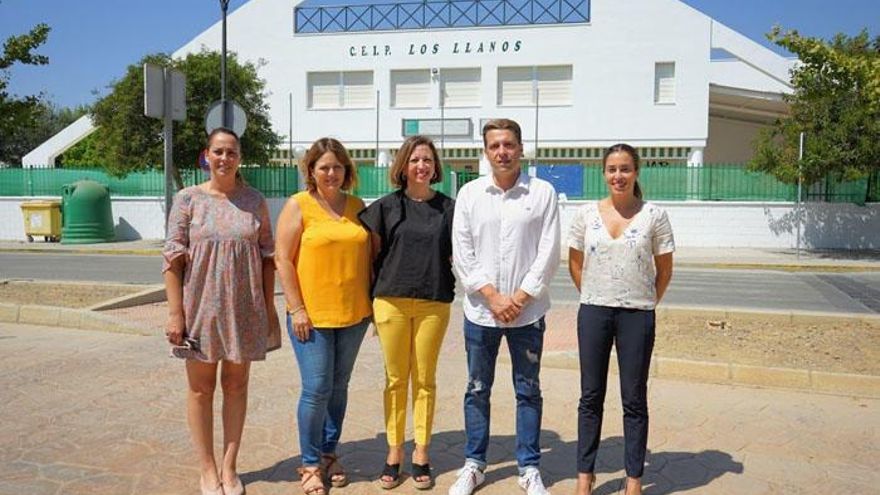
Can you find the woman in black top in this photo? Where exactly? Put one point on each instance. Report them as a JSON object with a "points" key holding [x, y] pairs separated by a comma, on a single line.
{"points": [[414, 286]]}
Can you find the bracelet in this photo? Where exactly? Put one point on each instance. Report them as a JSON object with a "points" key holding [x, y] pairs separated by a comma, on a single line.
{"points": [[296, 310]]}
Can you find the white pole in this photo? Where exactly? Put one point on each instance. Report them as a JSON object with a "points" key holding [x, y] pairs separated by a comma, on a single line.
{"points": [[376, 164], [442, 121], [290, 132], [537, 107], [799, 208]]}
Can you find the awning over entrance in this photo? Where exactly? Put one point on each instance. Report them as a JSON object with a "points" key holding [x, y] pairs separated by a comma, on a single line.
{"points": [[746, 105]]}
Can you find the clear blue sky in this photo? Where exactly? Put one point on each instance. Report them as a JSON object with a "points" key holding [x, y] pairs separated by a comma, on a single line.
{"points": [[93, 41]]}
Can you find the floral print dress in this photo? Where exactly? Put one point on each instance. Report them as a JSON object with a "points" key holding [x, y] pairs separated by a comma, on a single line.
{"points": [[225, 240]]}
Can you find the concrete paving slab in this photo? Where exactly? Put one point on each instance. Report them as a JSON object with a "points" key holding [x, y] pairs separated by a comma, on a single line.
{"points": [[94, 412]]}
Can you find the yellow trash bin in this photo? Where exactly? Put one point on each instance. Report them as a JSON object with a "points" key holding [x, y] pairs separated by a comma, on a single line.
{"points": [[43, 218]]}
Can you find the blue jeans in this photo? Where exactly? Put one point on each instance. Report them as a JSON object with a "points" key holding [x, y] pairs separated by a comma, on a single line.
{"points": [[525, 344], [325, 363]]}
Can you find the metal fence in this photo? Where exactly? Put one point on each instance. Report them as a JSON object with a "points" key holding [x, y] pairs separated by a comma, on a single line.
{"points": [[711, 182], [271, 181]]}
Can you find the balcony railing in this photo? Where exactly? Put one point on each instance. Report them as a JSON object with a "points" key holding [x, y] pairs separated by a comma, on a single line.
{"points": [[439, 15]]}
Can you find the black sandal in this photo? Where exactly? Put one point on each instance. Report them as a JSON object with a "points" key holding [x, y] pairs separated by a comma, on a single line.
{"points": [[422, 478], [391, 471]]}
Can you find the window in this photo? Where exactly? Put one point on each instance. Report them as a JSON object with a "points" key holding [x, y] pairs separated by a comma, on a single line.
{"points": [[352, 89], [550, 84], [411, 88], [460, 87], [664, 82]]}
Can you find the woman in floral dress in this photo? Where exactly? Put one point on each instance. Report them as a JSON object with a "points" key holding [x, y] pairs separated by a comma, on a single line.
{"points": [[219, 278]]}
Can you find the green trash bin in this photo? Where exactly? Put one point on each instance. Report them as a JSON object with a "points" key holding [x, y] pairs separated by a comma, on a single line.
{"points": [[88, 218]]}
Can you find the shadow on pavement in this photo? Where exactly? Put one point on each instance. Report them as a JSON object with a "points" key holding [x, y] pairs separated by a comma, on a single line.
{"points": [[665, 472]]}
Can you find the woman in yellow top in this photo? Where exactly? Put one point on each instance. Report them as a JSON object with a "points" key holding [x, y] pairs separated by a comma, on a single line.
{"points": [[322, 255]]}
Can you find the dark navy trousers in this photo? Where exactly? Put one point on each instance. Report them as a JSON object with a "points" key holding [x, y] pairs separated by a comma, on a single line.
{"points": [[631, 332]]}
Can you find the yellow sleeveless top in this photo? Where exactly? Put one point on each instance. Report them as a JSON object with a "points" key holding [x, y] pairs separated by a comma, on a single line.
{"points": [[333, 264]]}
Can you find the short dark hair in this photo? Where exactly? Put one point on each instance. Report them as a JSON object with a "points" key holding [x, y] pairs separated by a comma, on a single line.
{"points": [[502, 125], [317, 150], [632, 152], [397, 175]]}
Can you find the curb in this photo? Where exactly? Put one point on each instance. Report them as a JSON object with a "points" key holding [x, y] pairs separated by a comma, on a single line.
{"points": [[82, 319], [738, 374], [820, 266], [127, 252], [786, 316], [781, 267], [152, 294]]}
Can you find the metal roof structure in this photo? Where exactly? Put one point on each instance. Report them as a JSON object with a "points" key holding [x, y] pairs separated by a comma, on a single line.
{"points": [[345, 16]]}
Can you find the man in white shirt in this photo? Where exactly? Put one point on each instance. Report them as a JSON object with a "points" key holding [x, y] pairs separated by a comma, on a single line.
{"points": [[505, 245]]}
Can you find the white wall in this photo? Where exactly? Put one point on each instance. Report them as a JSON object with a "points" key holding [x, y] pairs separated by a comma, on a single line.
{"points": [[695, 224], [730, 141]]}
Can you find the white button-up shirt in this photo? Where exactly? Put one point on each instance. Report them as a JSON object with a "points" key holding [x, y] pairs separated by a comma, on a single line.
{"points": [[509, 239]]}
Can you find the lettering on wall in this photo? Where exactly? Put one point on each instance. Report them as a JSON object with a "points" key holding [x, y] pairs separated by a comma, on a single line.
{"points": [[463, 47]]}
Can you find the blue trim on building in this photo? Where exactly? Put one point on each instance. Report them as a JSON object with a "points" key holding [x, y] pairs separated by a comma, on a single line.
{"points": [[312, 17]]}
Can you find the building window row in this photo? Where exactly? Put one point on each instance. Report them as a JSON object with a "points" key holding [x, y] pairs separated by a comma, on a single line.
{"points": [[458, 88], [547, 85]]}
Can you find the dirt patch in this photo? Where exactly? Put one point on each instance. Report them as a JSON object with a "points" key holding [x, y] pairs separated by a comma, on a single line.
{"points": [[843, 345], [63, 294]]}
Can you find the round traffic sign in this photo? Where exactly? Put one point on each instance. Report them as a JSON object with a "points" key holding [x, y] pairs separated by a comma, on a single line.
{"points": [[236, 116]]}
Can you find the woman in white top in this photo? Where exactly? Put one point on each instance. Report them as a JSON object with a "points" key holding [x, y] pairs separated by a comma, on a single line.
{"points": [[620, 259]]}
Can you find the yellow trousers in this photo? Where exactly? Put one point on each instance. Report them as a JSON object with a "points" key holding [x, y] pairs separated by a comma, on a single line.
{"points": [[411, 332]]}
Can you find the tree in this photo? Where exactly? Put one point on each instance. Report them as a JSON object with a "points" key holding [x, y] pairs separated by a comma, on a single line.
{"points": [[127, 141], [836, 103], [19, 116]]}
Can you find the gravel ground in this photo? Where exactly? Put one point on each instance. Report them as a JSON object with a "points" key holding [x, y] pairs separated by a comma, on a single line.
{"points": [[64, 294]]}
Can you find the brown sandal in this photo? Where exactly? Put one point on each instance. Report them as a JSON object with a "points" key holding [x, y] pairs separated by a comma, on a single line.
{"points": [[312, 480], [335, 472]]}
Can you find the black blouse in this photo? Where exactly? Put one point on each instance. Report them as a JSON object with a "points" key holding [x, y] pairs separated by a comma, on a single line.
{"points": [[415, 258]]}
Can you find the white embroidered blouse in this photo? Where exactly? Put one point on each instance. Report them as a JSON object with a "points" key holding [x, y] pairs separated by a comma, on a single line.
{"points": [[620, 272]]}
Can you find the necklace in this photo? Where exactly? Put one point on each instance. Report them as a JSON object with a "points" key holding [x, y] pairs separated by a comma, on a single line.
{"points": [[337, 207]]}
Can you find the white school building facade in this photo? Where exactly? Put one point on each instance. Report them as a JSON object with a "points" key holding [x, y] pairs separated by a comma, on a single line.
{"points": [[578, 75]]}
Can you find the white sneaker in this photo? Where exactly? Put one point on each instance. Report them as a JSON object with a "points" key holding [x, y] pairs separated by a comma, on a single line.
{"points": [[469, 478], [530, 481]]}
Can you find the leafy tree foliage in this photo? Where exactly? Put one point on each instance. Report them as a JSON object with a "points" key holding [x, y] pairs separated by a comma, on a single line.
{"points": [[836, 103], [20, 116], [127, 141]]}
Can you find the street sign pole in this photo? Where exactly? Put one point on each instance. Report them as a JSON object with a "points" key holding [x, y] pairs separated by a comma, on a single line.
{"points": [[167, 132], [165, 99], [224, 6]]}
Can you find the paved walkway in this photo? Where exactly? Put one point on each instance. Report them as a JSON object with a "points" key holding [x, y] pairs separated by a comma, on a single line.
{"points": [[100, 413]]}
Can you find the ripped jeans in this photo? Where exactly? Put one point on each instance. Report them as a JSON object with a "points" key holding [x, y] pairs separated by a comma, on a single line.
{"points": [[525, 344]]}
